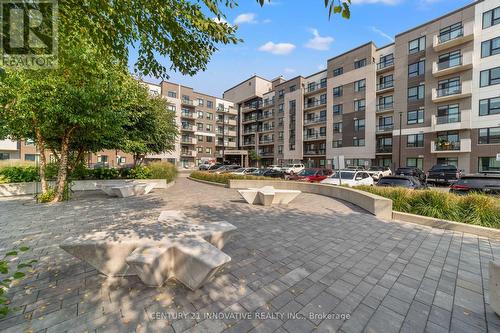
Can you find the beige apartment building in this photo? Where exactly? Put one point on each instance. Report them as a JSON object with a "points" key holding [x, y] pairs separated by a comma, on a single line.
{"points": [[431, 97]]}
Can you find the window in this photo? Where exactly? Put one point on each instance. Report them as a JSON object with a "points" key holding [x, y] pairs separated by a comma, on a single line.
{"points": [[210, 104], [337, 144], [358, 142], [448, 161], [416, 69], [198, 149], [199, 126], [102, 159], [281, 93], [337, 109], [292, 106], [415, 117], [415, 162], [171, 108], [490, 47], [490, 77], [489, 106], [359, 124], [386, 61], [448, 114], [208, 150], [280, 149], [491, 18], [360, 105], [31, 157], [360, 63], [322, 99], [416, 93], [209, 128], [337, 127], [360, 85], [415, 140], [185, 97], [337, 91], [210, 116], [488, 164], [322, 83], [200, 138], [416, 45], [172, 94], [385, 102], [121, 160], [201, 102], [4, 156], [385, 82], [451, 32], [450, 59], [293, 88], [338, 71], [489, 135], [209, 139], [449, 87], [200, 114], [29, 142]]}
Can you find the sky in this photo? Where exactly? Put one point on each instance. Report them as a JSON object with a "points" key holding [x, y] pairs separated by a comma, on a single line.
{"points": [[295, 37]]}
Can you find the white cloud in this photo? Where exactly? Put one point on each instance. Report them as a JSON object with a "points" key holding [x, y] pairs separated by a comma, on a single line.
{"points": [[245, 18], [318, 42], [278, 48], [219, 20], [288, 70], [321, 67], [383, 34], [385, 2], [267, 21]]}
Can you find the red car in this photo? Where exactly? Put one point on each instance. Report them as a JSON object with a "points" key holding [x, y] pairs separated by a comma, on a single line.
{"points": [[311, 175]]}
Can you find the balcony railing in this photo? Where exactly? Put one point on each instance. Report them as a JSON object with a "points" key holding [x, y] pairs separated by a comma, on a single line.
{"points": [[447, 119], [315, 120], [316, 86], [187, 128], [446, 37], [385, 85], [384, 149], [187, 115], [251, 118], [315, 152], [447, 146], [385, 107], [266, 141], [191, 141], [314, 104], [187, 102], [222, 109], [268, 103], [190, 153], [266, 153], [453, 90], [449, 63], [249, 130], [248, 143], [385, 64], [265, 115], [385, 128], [265, 128], [314, 136]]}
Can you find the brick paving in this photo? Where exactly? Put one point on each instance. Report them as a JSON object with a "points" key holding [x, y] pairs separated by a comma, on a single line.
{"points": [[291, 266]]}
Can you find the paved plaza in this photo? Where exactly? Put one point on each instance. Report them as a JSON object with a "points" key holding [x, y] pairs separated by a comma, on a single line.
{"points": [[317, 264]]}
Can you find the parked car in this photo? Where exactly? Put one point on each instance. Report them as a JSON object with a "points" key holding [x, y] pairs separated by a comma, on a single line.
{"points": [[259, 172], [409, 182], [487, 183], [349, 177], [411, 171], [226, 169], [204, 166], [214, 166], [356, 168], [378, 172], [443, 174], [273, 173], [275, 167], [243, 171], [312, 175], [293, 168]]}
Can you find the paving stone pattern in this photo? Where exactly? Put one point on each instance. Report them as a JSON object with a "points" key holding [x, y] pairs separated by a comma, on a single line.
{"points": [[292, 265]]}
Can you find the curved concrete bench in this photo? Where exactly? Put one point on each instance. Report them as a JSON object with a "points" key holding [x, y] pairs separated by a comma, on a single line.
{"points": [[377, 205], [268, 195], [125, 189]]}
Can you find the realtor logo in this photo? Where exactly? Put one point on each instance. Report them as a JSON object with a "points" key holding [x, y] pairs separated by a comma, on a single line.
{"points": [[29, 34]]}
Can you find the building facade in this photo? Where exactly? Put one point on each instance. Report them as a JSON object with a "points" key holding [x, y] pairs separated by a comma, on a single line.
{"points": [[431, 97]]}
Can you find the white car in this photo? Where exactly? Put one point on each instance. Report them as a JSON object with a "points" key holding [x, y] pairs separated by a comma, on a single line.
{"points": [[274, 167], [378, 172], [293, 168], [243, 171], [349, 177]]}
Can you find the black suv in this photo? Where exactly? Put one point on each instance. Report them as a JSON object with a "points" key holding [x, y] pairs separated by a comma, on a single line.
{"points": [[443, 174], [411, 171], [487, 183]]}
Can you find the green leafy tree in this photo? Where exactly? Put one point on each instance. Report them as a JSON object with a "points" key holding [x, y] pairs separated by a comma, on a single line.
{"points": [[254, 156]]}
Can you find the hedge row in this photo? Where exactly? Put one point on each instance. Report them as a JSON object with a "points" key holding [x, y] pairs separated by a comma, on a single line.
{"points": [[475, 209], [223, 178]]}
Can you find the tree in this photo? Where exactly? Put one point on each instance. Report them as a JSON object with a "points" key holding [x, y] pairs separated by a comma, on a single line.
{"points": [[254, 156]]}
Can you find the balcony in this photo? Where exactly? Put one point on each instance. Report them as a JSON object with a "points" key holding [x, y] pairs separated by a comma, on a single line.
{"points": [[250, 119], [266, 153], [188, 153], [188, 115], [265, 129], [454, 38], [452, 66], [227, 121], [315, 88], [385, 86], [248, 143], [224, 109], [249, 130], [189, 141], [383, 150], [252, 107], [315, 152], [265, 115], [385, 66], [266, 141], [268, 103], [188, 128], [314, 104], [314, 121], [385, 128], [451, 122], [188, 102], [387, 107], [461, 146], [462, 90], [314, 136]]}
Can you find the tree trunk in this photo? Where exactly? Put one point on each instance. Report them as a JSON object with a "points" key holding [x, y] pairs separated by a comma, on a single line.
{"points": [[43, 161], [62, 174]]}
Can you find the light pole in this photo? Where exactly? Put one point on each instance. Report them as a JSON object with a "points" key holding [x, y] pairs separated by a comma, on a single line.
{"points": [[400, 137], [223, 133]]}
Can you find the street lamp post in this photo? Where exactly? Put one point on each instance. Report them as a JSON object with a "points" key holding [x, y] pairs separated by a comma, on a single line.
{"points": [[400, 137], [223, 133]]}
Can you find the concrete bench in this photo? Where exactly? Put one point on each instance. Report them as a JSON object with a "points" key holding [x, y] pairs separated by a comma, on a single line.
{"points": [[494, 286], [125, 190], [175, 247], [268, 195]]}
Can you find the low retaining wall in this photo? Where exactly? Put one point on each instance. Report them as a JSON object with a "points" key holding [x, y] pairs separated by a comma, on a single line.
{"points": [[207, 182], [377, 205], [13, 189]]}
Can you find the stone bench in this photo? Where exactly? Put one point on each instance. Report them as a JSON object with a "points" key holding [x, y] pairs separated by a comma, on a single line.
{"points": [[494, 286], [124, 190], [268, 195], [174, 247]]}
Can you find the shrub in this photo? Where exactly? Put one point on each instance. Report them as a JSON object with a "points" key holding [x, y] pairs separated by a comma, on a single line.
{"points": [[476, 209], [223, 178], [51, 192], [19, 174], [162, 170], [140, 172], [104, 173]]}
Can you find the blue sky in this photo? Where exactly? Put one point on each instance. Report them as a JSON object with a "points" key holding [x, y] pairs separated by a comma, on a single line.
{"points": [[295, 37]]}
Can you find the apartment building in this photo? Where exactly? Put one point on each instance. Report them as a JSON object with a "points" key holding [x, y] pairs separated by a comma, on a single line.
{"points": [[207, 126], [432, 96]]}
